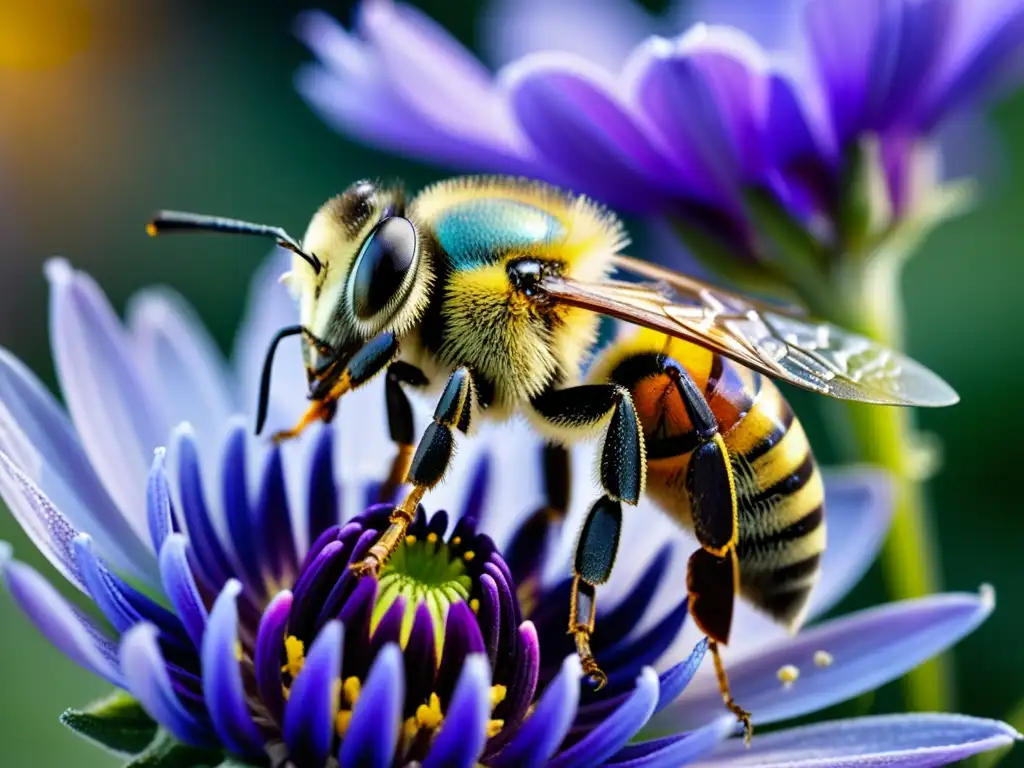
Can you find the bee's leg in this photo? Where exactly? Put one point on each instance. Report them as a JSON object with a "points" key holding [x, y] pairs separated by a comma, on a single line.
{"points": [[713, 577], [400, 424], [526, 552], [622, 473], [370, 360], [430, 462]]}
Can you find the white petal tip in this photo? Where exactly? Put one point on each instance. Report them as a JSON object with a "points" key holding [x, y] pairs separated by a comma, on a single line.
{"points": [[987, 594], [184, 429], [58, 270]]}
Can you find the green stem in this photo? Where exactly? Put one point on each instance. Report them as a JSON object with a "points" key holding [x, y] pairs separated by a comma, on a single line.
{"points": [[886, 436]]}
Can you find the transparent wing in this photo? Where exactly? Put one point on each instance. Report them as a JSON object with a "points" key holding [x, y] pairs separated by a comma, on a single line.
{"points": [[813, 355]]}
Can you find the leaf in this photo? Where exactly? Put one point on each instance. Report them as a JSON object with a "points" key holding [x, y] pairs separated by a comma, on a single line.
{"points": [[166, 752], [117, 723]]}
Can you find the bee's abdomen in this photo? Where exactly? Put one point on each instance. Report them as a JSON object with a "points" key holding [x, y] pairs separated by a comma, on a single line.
{"points": [[781, 506]]}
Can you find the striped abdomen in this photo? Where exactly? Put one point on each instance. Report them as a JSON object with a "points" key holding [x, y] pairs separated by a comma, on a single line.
{"points": [[779, 489]]}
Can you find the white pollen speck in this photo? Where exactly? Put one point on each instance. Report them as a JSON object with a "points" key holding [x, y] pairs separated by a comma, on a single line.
{"points": [[823, 659], [987, 593], [788, 675]]}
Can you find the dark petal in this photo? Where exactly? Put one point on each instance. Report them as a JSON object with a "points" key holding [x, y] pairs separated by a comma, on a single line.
{"points": [[463, 733], [342, 590], [148, 681], [314, 586], [621, 620], [789, 137], [238, 510], [615, 732], [586, 134], [206, 544], [72, 632], [539, 736], [223, 689], [461, 639], [521, 688], [323, 505], [420, 659], [474, 504], [159, 511], [489, 617], [333, 533], [438, 524], [507, 603], [529, 546], [355, 615], [274, 522], [267, 661], [624, 661], [677, 750], [122, 605], [310, 712], [389, 629], [181, 588], [373, 731], [495, 565]]}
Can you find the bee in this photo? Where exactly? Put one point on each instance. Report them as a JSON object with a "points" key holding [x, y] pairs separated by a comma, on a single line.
{"points": [[488, 291]]}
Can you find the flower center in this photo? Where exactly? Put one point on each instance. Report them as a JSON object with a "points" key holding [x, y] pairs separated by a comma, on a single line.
{"points": [[427, 571]]}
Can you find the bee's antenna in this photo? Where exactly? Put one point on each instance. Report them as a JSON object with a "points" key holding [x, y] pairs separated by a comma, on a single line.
{"points": [[268, 365], [172, 221]]}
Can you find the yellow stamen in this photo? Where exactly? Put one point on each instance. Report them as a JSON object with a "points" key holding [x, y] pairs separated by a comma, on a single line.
{"points": [[474, 605], [432, 538], [342, 721], [788, 675], [468, 556], [498, 694], [410, 539], [430, 715], [494, 728], [238, 650], [456, 541], [350, 690], [823, 659], [295, 651], [410, 729]]}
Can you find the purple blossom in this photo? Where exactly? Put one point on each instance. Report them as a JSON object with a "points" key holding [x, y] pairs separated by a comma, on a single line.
{"points": [[264, 646], [685, 126]]}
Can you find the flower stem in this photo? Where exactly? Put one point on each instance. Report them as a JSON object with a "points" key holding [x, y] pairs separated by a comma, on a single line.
{"points": [[886, 436]]}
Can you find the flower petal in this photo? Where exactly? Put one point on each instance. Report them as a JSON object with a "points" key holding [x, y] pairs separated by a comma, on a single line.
{"points": [[117, 417], [159, 512], [181, 588], [676, 750], [867, 649], [238, 511], [74, 634], [274, 522], [373, 732], [543, 731], [584, 130], [616, 731], [269, 641], [40, 439], [463, 733], [899, 741], [322, 507], [185, 368], [145, 673], [222, 677], [313, 702]]}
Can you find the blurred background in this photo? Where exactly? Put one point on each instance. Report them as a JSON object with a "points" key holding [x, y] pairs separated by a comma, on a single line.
{"points": [[110, 109]]}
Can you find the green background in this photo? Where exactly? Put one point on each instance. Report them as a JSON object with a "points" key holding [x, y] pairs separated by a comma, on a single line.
{"points": [[190, 105]]}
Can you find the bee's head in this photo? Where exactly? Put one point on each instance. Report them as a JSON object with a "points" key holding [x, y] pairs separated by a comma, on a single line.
{"points": [[374, 273]]}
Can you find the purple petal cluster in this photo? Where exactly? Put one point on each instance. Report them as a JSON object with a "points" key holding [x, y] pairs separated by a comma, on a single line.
{"points": [[229, 612], [689, 123]]}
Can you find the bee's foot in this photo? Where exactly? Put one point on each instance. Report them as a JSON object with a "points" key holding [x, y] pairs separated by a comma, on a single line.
{"points": [[368, 566], [284, 436], [744, 718], [598, 678]]}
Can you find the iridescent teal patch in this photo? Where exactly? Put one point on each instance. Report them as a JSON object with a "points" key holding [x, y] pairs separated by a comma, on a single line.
{"points": [[477, 232]]}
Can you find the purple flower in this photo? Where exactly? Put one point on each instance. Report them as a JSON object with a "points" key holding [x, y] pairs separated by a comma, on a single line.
{"points": [[230, 615], [833, 133]]}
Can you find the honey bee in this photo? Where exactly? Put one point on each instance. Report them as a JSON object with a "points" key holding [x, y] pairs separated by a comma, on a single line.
{"points": [[489, 291]]}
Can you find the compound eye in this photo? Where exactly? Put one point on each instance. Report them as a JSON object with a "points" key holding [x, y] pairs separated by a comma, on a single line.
{"points": [[387, 256]]}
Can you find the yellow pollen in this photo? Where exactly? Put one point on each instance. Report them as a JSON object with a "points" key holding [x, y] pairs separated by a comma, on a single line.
{"points": [[410, 729], [286, 692], [498, 694], [474, 605], [823, 659], [410, 540], [342, 721], [351, 690], [429, 715], [788, 675], [456, 541], [494, 728], [432, 538], [296, 653], [468, 556], [238, 650], [151, 229]]}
